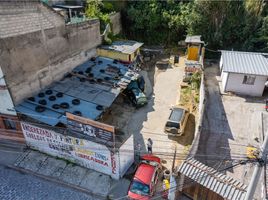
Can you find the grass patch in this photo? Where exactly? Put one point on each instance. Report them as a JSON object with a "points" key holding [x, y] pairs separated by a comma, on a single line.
{"points": [[189, 98]]}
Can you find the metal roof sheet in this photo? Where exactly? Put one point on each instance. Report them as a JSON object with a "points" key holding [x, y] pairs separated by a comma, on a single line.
{"points": [[125, 46], [245, 62], [53, 116], [99, 89], [217, 182], [68, 6], [193, 39], [49, 117]]}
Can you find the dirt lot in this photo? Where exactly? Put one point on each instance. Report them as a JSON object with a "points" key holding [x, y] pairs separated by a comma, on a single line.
{"points": [[163, 91]]}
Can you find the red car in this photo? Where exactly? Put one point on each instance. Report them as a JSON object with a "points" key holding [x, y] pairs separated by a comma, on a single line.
{"points": [[144, 183]]}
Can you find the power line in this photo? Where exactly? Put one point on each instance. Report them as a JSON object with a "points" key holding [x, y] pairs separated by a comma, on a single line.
{"points": [[155, 152], [214, 159], [160, 153], [183, 184], [65, 129], [163, 153], [170, 156]]}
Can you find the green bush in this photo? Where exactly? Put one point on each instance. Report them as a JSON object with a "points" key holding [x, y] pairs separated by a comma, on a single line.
{"points": [[107, 41], [100, 10], [196, 81], [238, 25]]}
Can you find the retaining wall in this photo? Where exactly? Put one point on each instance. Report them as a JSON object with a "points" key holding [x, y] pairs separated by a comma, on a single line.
{"points": [[33, 60]]}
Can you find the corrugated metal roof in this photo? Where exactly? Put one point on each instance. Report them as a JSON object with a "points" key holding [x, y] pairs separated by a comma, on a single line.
{"points": [[245, 62], [194, 39], [95, 83], [217, 182], [68, 6], [126, 46]]}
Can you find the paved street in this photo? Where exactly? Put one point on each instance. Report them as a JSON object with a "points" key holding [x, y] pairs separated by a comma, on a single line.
{"points": [[231, 122], [19, 186]]}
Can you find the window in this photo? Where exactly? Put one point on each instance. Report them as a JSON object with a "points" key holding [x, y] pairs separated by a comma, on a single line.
{"points": [[249, 80], [139, 188], [10, 124], [173, 124]]}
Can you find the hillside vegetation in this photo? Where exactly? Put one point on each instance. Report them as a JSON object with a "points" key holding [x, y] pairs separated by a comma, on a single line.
{"points": [[239, 25]]}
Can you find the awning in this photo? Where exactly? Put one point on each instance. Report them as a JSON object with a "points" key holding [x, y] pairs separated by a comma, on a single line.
{"points": [[225, 186]]}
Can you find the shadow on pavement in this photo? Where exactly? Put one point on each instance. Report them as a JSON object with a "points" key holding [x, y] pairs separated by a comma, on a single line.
{"points": [[214, 148]]}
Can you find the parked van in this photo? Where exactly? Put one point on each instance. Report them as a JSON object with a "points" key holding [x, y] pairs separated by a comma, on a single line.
{"points": [[177, 121]]}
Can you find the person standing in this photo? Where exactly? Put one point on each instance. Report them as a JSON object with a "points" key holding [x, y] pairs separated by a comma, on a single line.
{"points": [[150, 145]]}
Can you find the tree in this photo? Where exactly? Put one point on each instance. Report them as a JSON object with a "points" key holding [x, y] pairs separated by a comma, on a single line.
{"points": [[101, 10], [156, 21], [229, 24], [239, 25]]}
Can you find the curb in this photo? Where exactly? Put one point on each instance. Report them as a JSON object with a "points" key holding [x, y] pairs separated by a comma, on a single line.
{"points": [[72, 186]]}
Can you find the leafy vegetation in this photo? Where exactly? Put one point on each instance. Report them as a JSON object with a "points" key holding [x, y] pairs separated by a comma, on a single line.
{"points": [[239, 25], [189, 96], [156, 21], [101, 10], [196, 81]]}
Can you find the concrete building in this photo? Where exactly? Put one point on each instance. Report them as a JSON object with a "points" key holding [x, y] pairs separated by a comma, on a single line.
{"points": [[244, 72], [37, 49], [9, 123], [53, 90], [62, 119], [125, 51]]}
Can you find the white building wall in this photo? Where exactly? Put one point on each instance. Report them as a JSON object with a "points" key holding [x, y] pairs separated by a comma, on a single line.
{"points": [[126, 155], [83, 152], [221, 64], [235, 84], [6, 103], [224, 77]]}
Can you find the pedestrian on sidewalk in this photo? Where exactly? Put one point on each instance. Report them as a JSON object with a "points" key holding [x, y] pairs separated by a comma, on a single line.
{"points": [[150, 145]]}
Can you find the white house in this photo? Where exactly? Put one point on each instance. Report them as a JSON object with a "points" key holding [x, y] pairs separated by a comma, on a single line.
{"points": [[244, 72]]}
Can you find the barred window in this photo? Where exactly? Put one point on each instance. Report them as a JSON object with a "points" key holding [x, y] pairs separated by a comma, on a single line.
{"points": [[10, 124], [249, 80]]}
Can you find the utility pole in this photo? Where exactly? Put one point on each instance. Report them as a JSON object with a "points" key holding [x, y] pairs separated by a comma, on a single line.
{"points": [[174, 159], [257, 170]]}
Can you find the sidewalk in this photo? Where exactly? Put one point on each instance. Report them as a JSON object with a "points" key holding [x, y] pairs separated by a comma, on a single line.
{"points": [[9, 151], [71, 175]]}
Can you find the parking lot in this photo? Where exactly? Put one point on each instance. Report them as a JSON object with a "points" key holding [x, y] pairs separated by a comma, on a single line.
{"points": [[163, 91]]}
